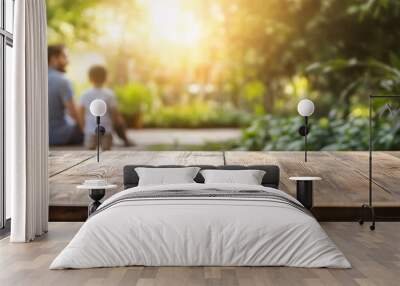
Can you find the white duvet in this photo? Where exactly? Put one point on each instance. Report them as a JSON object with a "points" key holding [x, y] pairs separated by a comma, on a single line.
{"points": [[200, 231]]}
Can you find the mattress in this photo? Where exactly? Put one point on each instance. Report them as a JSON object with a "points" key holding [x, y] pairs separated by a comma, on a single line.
{"points": [[201, 225]]}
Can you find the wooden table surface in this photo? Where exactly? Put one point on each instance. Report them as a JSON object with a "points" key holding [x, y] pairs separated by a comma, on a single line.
{"points": [[344, 174]]}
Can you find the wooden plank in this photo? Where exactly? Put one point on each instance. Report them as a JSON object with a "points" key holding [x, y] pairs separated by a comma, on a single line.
{"points": [[375, 259], [60, 161], [63, 185], [385, 168], [394, 153], [344, 184], [341, 185]]}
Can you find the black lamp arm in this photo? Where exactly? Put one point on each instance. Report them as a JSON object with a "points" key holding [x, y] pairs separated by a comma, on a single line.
{"points": [[305, 137], [303, 131]]}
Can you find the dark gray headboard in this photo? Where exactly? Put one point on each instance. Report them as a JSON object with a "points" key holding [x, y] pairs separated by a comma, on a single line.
{"points": [[271, 177]]}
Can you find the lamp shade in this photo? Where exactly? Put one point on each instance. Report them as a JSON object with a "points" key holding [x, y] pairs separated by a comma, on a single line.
{"points": [[305, 107], [98, 107]]}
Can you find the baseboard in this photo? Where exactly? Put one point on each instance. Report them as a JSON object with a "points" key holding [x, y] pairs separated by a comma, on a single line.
{"points": [[68, 213], [355, 213], [71, 213]]}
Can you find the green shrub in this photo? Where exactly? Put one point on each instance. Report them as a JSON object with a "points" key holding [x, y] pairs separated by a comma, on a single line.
{"points": [[195, 115], [269, 133], [133, 98]]}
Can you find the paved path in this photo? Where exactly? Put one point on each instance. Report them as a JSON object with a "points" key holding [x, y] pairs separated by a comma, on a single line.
{"points": [[143, 138], [146, 137]]}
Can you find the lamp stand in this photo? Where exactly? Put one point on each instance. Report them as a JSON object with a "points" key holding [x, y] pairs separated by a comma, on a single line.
{"points": [[305, 137], [100, 130], [370, 147], [98, 137], [303, 131], [370, 206]]}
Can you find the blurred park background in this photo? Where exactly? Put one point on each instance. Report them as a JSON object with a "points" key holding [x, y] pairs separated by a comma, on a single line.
{"points": [[241, 65]]}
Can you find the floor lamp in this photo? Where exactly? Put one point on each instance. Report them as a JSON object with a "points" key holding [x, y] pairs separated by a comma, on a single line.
{"points": [[371, 145]]}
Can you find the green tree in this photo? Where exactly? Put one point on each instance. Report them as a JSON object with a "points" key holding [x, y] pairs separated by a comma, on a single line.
{"points": [[69, 20]]}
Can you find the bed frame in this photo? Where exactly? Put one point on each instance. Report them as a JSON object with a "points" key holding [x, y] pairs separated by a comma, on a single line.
{"points": [[270, 179]]}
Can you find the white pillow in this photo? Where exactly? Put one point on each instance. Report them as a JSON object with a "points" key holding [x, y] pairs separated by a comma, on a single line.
{"points": [[248, 177], [166, 176]]}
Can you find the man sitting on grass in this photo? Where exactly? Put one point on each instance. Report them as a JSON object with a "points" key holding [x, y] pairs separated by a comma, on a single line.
{"points": [[64, 127]]}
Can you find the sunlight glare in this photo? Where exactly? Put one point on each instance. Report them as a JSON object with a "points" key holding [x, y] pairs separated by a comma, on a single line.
{"points": [[169, 22]]}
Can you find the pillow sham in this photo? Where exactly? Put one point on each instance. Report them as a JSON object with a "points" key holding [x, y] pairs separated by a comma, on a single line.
{"points": [[248, 177], [166, 176]]}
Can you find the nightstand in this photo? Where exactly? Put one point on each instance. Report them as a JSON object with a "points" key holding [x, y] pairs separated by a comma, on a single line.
{"points": [[96, 193], [304, 190]]}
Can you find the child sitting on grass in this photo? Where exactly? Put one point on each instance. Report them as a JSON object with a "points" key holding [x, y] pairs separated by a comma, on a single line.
{"points": [[98, 77]]}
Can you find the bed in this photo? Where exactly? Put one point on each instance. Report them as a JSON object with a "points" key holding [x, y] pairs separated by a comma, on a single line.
{"points": [[198, 224]]}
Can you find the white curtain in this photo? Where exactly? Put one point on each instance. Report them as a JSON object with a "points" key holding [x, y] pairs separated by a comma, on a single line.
{"points": [[27, 127]]}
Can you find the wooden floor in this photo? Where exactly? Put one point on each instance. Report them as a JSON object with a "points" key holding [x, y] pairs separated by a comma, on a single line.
{"points": [[375, 257], [344, 174]]}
